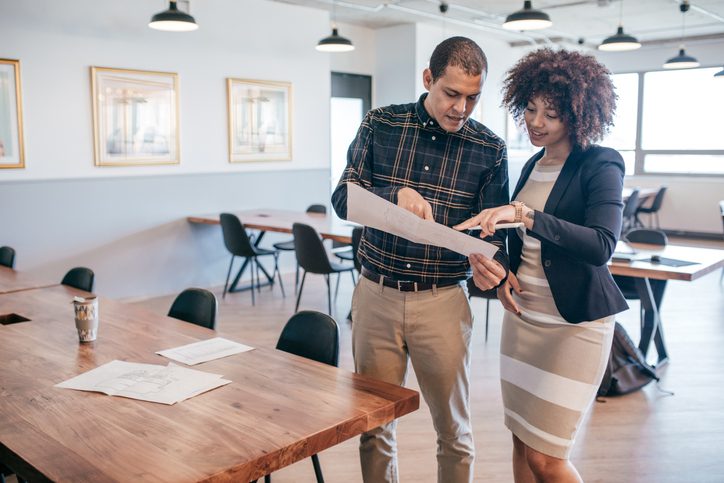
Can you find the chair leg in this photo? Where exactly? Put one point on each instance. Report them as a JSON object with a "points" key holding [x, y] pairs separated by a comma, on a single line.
{"points": [[354, 278], [336, 290], [487, 316], [329, 294], [252, 260], [296, 279], [317, 469], [279, 274], [299, 294], [228, 274]]}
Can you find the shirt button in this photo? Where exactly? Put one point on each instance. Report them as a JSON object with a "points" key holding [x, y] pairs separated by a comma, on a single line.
{"points": [[408, 265], [433, 138], [427, 168], [431, 123], [557, 237], [547, 263]]}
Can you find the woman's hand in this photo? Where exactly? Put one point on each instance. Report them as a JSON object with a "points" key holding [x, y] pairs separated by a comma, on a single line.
{"points": [[487, 220], [504, 295]]}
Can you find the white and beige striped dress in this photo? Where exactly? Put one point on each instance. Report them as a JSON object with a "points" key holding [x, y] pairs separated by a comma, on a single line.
{"points": [[550, 369]]}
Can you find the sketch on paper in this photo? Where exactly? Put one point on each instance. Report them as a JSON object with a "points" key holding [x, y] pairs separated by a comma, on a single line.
{"points": [[259, 120], [135, 117], [12, 154]]}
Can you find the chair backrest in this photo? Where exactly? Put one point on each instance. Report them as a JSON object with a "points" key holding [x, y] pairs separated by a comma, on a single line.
{"points": [[632, 204], [658, 199], [356, 240], [721, 210], [311, 255], [7, 256], [645, 235], [79, 277], [474, 291], [317, 209], [195, 305], [236, 238], [313, 335]]}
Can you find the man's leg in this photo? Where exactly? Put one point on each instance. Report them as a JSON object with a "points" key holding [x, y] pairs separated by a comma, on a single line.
{"points": [[380, 352], [438, 332]]}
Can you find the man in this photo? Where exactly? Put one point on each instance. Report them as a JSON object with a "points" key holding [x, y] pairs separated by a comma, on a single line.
{"points": [[430, 158]]}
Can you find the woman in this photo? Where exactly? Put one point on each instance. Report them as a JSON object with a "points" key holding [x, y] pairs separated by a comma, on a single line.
{"points": [[560, 298]]}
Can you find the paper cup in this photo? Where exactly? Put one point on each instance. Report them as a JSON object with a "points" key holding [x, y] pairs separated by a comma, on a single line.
{"points": [[86, 318]]}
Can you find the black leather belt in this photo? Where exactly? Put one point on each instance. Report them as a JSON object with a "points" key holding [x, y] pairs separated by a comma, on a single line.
{"points": [[401, 285]]}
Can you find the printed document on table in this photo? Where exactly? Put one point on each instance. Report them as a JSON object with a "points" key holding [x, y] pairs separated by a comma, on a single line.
{"points": [[148, 382], [204, 351], [366, 208]]}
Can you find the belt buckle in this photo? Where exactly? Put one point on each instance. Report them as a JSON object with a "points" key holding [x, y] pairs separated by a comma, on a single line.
{"points": [[406, 286]]}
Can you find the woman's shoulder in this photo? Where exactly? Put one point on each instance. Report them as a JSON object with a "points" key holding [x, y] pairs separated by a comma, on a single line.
{"points": [[596, 156]]}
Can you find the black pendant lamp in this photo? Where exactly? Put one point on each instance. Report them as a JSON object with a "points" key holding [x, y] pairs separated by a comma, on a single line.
{"points": [[619, 41], [334, 42], [527, 19], [681, 60], [720, 74], [173, 20]]}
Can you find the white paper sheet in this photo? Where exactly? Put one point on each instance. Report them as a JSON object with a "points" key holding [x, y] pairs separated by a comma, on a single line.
{"points": [[147, 382], [204, 351], [368, 209]]}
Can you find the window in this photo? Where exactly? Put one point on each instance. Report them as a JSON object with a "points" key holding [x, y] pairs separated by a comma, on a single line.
{"points": [[680, 127]]}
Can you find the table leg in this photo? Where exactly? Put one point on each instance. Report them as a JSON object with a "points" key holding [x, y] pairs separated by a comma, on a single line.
{"points": [[233, 287], [651, 293]]}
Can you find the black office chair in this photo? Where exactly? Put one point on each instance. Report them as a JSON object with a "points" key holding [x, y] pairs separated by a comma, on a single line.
{"points": [[653, 210], [7, 257], [488, 295], [195, 305], [629, 212], [289, 244], [313, 335], [312, 257], [79, 277], [239, 244], [351, 255]]}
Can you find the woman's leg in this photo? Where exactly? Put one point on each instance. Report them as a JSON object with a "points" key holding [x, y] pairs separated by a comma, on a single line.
{"points": [[521, 470], [547, 469]]}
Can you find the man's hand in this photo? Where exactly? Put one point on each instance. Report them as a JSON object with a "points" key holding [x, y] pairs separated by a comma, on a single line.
{"points": [[487, 273], [411, 200]]}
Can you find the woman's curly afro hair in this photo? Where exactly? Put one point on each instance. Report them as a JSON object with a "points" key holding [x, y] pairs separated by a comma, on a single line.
{"points": [[576, 86]]}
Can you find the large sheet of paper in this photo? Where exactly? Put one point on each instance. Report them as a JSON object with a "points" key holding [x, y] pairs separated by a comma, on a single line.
{"points": [[148, 382], [204, 351], [368, 209]]}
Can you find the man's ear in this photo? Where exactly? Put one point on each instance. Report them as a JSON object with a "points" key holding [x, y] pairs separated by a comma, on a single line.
{"points": [[427, 78]]}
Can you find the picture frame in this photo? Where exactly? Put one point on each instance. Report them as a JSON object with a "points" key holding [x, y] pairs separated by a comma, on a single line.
{"points": [[12, 147], [260, 120], [135, 117]]}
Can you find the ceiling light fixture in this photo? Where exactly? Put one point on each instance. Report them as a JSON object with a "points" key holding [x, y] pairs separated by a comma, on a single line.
{"points": [[681, 60], [527, 19], [620, 41], [173, 20], [334, 42]]}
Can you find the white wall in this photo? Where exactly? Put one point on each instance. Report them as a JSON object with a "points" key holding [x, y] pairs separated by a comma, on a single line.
{"points": [[395, 66], [128, 224]]}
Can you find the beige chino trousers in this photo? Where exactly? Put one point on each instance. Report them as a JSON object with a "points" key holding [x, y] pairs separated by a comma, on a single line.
{"points": [[432, 328]]}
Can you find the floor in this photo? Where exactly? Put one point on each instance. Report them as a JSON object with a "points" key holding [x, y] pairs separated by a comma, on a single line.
{"points": [[647, 436]]}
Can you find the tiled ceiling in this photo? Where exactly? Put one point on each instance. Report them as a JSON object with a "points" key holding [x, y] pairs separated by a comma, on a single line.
{"points": [[651, 21]]}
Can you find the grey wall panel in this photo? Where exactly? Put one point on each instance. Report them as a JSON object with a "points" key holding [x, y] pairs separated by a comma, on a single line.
{"points": [[132, 231]]}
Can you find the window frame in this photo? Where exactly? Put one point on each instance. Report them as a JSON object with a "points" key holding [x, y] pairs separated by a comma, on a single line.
{"points": [[640, 153]]}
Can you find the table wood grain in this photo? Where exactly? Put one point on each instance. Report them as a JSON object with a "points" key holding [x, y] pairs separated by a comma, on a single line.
{"points": [[14, 281], [281, 221], [279, 409]]}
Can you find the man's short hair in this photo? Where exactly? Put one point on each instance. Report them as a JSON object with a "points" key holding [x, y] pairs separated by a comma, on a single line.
{"points": [[459, 52]]}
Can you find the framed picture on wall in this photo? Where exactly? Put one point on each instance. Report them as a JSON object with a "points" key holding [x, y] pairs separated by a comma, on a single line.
{"points": [[12, 151], [260, 126], [135, 117]]}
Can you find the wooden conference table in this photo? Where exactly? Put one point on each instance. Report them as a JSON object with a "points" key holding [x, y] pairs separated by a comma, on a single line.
{"points": [[14, 281], [279, 408], [651, 277]]}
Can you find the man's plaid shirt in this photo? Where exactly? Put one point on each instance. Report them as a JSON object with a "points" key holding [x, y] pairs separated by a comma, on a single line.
{"points": [[459, 174]]}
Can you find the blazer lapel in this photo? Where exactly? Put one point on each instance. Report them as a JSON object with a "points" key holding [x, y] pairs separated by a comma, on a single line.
{"points": [[525, 172], [570, 168]]}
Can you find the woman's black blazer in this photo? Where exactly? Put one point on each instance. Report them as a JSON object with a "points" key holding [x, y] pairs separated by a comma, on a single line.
{"points": [[578, 230]]}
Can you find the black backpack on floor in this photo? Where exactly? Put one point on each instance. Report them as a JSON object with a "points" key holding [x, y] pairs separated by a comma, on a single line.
{"points": [[627, 369]]}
